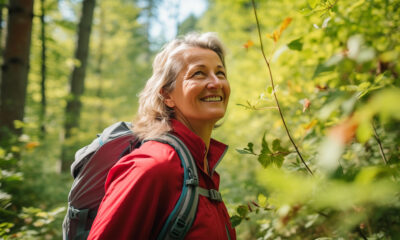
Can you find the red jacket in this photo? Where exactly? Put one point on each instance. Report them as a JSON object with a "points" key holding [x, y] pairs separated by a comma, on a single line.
{"points": [[144, 186]]}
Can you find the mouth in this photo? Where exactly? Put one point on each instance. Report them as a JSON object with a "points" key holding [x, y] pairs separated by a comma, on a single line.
{"points": [[213, 98]]}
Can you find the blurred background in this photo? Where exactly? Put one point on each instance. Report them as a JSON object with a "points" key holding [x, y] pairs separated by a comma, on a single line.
{"points": [[70, 68]]}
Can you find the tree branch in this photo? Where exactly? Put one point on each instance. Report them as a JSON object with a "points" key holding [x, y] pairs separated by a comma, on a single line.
{"points": [[274, 92], [379, 143]]}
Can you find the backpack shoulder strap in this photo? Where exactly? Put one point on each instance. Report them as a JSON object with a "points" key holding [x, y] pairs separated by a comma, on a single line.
{"points": [[182, 216]]}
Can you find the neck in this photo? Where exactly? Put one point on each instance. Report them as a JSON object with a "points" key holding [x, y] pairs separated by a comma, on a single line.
{"points": [[200, 128], [203, 131]]}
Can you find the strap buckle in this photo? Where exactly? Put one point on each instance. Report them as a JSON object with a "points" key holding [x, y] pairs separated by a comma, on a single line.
{"points": [[215, 195], [74, 213], [178, 228], [193, 180]]}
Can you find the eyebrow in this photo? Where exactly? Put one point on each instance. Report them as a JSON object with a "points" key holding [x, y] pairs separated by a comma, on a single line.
{"points": [[203, 66]]}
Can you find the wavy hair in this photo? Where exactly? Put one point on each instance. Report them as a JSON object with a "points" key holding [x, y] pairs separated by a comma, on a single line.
{"points": [[153, 116]]}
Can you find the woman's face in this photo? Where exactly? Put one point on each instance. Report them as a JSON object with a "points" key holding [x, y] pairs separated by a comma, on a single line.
{"points": [[201, 90]]}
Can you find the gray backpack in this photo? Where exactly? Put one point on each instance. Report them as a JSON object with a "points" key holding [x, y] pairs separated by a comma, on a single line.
{"points": [[90, 170]]}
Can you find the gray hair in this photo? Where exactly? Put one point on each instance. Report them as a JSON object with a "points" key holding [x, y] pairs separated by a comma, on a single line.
{"points": [[153, 117]]}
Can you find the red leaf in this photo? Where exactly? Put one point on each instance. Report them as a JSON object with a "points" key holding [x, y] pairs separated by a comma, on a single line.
{"points": [[248, 44], [345, 131], [285, 24], [32, 145], [306, 104], [277, 33]]}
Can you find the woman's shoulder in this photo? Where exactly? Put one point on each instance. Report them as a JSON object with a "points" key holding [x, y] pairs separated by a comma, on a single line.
{"points": [[154, 153], [151, 157], [149, 163]]}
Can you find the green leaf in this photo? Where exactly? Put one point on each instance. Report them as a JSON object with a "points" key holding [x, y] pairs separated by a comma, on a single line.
{"points": [[18, 124], [278, 160], [269, 89], [2, 153], [306, 11], [264, 143], [296, 45], [242, 210], [276, 146], [235, 221], [355, 5], [262, 200], [242, 151], [279, 152], [265, 156], [368, 174], [313, 3], [322, 68], [248, 150], [364, 131], [384, 103], [250, 147]]}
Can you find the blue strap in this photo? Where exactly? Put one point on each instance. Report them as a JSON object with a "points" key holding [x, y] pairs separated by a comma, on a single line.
{"points": [[82, 216], [182, 216]]}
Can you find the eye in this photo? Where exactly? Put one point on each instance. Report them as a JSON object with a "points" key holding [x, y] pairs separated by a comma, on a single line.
{"points": [[221, 73], [198, 73]]}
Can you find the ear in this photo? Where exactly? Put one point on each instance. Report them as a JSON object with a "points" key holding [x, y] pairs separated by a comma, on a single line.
{"points": [[169, 102], [167, 99]]}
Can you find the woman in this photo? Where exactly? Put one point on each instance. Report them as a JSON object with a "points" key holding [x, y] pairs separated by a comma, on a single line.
{"points": [[187, 94]]}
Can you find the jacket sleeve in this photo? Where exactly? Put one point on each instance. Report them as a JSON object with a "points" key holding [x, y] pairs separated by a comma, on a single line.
{"points": [[141, 191]]}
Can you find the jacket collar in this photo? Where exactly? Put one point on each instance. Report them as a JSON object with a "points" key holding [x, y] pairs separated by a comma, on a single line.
{"points": [[197, 147]]}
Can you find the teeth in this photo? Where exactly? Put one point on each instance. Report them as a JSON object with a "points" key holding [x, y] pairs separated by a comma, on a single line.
{"points": [[213, 99]]}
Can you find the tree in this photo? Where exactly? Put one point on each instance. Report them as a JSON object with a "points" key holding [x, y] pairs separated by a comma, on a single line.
{"points": [[42, 114], [73, 109], [99, 64], [2, 5], [188, 25], [15, 66]]}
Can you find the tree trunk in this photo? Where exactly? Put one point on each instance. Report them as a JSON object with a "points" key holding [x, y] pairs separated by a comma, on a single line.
{"points": [[149, 9], [15, 66], [2, 5], [99, 67], [73, 109], [42, 116]]}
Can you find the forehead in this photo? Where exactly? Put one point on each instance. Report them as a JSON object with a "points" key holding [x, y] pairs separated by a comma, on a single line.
{"points": [[196, 55]]}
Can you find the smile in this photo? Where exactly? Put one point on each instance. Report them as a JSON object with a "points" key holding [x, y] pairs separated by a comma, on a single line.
{"points": [[212, 99]]}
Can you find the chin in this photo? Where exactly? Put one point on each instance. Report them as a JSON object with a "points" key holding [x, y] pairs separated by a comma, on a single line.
{"points": [[214, 116]]}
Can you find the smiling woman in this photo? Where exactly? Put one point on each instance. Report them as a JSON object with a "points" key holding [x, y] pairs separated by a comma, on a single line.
{"points": [[185, 97], [201, 92]]}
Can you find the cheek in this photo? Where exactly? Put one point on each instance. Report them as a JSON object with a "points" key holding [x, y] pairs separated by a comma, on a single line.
{"points": [[227, 88], [192, 89]]}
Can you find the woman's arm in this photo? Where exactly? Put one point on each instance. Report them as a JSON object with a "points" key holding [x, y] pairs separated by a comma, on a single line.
{"points": [[141, 191]]}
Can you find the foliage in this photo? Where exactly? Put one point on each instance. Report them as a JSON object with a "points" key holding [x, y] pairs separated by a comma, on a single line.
{"points": [[33, 192], [336, 74], [19, 222]]}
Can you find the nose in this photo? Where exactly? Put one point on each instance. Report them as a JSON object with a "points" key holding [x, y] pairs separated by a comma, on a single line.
{"points": [[214, 82]]}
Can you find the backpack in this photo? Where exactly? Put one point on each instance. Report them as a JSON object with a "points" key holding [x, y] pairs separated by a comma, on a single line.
{"points": [[90, 170]]}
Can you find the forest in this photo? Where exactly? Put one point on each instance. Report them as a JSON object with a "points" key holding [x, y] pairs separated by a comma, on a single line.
{"points": [[313, 123]]}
